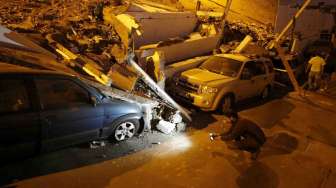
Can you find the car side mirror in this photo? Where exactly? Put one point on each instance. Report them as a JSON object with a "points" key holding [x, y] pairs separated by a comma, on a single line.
{"points": [[246, 76], [93, 101]]}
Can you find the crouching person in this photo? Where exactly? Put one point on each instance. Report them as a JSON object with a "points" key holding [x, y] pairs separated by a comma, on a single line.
{"points": [[244, 135]]}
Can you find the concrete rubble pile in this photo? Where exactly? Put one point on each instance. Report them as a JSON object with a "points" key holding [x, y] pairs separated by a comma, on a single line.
{"points": [[260, 33], [131, 46], [75, 33]]}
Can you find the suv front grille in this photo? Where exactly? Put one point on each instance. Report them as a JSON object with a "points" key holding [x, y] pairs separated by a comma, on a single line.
{"points": [[185, 85]]}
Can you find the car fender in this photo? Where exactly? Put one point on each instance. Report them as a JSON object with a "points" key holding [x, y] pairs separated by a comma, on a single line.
{"points": [[224, 91]]}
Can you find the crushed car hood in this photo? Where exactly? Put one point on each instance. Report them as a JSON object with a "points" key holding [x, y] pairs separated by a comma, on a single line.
{"points": [[198, 76]]}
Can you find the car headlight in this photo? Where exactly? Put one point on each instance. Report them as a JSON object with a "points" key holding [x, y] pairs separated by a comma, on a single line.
{"points": [[207, 90]]}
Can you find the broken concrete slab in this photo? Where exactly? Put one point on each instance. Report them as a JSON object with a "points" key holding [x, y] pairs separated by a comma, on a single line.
{"points": [[156, 24], [193, 47], [123, 76], [243, 44], [17, 41], [152, 6], [87, 65], [165, 126], [178, 67], [124, 31], [176, 118], [209, 14]]}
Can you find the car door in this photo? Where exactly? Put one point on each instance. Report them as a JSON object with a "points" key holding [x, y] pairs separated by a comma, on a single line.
{"points": [[19, 120], [246, 83], [260, 78], [67, 115]]}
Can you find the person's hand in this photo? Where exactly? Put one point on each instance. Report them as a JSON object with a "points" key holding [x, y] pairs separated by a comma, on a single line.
{"points": [[213, 136]]}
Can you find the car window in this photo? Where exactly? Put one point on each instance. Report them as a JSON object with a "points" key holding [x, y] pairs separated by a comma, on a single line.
{"points": [[222, 65], [250, 69], [61, 93], [260, 68], [13, 96]]}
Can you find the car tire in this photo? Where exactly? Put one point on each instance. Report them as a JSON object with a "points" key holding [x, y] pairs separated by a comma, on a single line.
{"points": [[265, 94], [125, 130], [227, 104]]}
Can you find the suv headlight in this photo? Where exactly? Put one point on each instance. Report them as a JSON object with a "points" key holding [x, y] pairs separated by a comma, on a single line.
{"points": [[207, 90]]}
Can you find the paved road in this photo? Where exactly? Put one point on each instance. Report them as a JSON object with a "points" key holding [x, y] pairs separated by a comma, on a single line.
{"points": [[331, 91], [299, 152]]}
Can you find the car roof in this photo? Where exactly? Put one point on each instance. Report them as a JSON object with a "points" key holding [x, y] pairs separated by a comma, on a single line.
{"points": [[237, 57], [6, 68]]}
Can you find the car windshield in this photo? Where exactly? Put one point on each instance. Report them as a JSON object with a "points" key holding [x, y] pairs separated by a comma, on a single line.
{"points": [[222, 65]]}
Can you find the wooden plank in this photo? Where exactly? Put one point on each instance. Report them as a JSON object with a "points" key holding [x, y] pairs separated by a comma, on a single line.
{"points": [[289, 70]]}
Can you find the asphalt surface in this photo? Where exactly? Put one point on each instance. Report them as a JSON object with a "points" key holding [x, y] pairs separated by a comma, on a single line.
{"points": [[299, 152]]}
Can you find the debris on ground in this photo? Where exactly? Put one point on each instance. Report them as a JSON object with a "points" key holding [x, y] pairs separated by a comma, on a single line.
{"points": [[165, 126], [97, 144]]}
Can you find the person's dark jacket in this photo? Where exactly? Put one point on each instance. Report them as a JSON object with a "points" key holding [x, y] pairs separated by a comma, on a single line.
{"points": [[244, 127]]}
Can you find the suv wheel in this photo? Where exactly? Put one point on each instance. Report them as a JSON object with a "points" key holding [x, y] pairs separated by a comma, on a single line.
{"points": [[265, 93], [125, 130], [227, 104]]}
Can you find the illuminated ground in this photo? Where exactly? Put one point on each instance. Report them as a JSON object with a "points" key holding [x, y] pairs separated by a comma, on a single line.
{"points": [[299, 153]]}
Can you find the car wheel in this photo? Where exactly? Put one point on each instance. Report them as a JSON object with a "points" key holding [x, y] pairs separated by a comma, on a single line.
{"points": [[227, 104], [125, 130], [265, 93]]}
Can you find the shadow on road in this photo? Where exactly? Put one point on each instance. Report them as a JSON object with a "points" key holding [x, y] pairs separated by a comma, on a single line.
{"points": [[253, 174], [258, 175], [279, 144], [78, 157], [202, 119]]}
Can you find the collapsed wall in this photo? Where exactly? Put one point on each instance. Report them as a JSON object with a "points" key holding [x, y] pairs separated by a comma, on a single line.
{"points": [[257, 11], [77, 33]]}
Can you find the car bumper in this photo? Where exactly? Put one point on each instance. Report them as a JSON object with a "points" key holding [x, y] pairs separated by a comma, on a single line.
{"points": [[205, 102]]}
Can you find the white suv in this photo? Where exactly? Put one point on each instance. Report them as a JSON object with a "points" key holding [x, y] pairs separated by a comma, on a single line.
{"points": [[223, 79]]}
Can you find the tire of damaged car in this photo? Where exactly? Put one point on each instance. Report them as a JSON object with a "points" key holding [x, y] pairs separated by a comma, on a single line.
{"points": [[125, 130]]}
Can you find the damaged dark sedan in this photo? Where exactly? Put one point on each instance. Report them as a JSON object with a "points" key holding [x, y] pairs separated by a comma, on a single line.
{"points": [[47, 110]]}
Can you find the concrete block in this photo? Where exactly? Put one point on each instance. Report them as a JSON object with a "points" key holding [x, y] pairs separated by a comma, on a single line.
{"points": [[165, 126]]}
